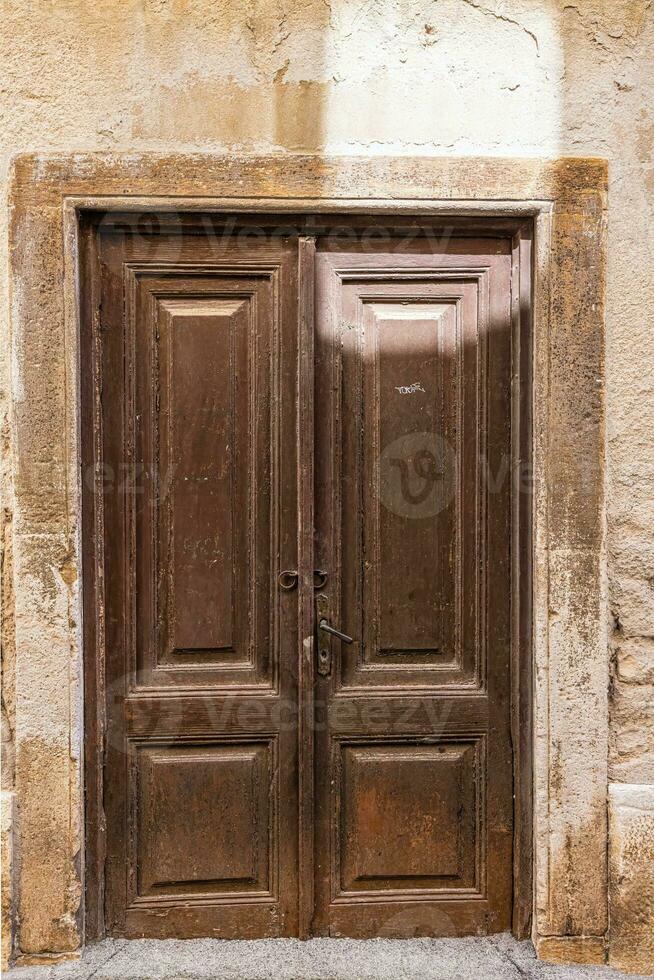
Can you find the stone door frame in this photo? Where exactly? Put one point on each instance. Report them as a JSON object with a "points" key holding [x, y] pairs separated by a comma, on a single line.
{"points": [[566, 201]]}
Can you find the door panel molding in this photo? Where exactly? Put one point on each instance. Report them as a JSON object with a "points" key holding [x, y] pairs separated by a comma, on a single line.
{"points": [[419, 285], [447, 792], [232, 775]]}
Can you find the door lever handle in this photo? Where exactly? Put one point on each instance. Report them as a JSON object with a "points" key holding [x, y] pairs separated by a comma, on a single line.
{"points": [[324, 625], [324, 665]]}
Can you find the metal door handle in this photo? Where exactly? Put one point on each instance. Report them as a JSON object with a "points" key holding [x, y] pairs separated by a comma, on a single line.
{"points": [[324, 646], [324, 625]]}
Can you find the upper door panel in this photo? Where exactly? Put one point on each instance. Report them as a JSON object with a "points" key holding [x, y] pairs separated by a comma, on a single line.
{"points": [[206, 416], [205, 428], [404, 349]]}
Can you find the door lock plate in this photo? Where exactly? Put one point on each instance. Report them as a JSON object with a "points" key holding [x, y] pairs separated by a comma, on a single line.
{"points": [[324, 643]]}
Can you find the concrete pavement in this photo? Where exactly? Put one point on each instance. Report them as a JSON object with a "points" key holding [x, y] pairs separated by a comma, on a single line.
{"points": [[494, 958]]}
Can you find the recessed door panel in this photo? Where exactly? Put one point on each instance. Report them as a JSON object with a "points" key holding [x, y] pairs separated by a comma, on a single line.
{"points": [[408, 399], [408, 818], [205, 412], [205, 820], [414, 383], [204, 434]]}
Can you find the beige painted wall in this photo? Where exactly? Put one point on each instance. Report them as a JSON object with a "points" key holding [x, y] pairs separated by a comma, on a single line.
{"points": [[456, 77]]}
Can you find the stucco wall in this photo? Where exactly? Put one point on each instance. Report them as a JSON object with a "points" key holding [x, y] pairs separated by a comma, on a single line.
{"points": [[532, 78]]}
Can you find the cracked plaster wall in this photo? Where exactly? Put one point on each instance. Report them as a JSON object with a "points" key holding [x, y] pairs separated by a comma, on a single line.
{"points": [[500, 77]]}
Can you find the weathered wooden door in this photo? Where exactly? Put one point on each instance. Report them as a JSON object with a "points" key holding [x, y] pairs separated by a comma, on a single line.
{"points": [[255, 777], [195, 400], [413, 504]]}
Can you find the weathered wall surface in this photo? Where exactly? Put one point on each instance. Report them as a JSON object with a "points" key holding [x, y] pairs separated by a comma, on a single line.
{"points": [[631, 876], [464, 77]]}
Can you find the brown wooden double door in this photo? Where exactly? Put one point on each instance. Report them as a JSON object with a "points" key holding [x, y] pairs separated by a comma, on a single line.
{"points": [[248, 773]]}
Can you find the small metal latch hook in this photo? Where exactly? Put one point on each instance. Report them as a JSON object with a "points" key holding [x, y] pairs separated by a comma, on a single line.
{"points": [[287, 580]]}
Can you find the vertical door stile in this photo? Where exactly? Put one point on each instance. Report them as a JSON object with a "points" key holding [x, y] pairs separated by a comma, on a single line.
{"points": [[306, 302]]}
